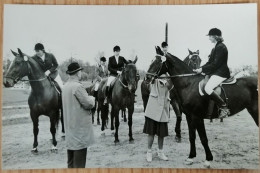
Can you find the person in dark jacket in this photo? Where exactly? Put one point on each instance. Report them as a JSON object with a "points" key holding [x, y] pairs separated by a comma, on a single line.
{"points": [[48, 63], [116, 64], [101, 72], [217, 69]]}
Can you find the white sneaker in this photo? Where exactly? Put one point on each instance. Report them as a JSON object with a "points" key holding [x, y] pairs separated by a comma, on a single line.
{"points": [[162, 156], [149, 156]]}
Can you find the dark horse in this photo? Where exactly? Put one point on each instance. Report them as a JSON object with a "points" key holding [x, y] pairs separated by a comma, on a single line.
{"points": [[121, 97], [193, 61], [195, 106], [90, 91], [43, 99]]}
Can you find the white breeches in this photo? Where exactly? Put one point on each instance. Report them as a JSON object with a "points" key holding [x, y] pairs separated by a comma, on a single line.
{"points": [[213, 82], [110, 79], [59, 81], [96, 85]]}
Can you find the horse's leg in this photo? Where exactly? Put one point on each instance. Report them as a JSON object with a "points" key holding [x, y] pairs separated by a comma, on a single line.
{"points": [[124, 112], [112, 119], [192, 138], [98, 120], [53, 121], [221, 120], [35, 120], [62, 124], [204, 140], [104, 114], [130, 122], [253, 111], [178, 113], [116, 116]]}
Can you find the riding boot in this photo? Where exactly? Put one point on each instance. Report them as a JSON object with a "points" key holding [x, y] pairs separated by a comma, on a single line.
{"points": [[106, 94], [95, 94], [224, 111]]}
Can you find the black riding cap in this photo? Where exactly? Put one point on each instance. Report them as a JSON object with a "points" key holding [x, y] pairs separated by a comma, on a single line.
{"points": [[214, 31], [38, 46], [73, 68], [116, 49], [103, 59]]}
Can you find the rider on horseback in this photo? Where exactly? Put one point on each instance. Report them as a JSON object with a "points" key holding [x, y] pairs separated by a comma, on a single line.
{"points": [[115, 66], [101, 72], [48, 63], [216, 68]]}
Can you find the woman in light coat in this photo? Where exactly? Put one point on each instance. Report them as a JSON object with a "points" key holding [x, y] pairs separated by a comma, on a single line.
{"points": [[157, 115]]}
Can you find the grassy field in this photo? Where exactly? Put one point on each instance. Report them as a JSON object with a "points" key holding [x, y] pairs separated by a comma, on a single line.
{"points": [[234, 143]]}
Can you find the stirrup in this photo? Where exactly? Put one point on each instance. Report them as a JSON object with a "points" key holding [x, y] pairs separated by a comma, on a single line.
{"points": [[224, 112]]}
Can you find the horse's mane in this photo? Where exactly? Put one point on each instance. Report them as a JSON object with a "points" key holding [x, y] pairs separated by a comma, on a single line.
{"points": [[35, 64], [173, 60]]}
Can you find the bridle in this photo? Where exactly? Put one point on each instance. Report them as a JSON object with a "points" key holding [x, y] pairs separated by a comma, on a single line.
{"points": [[156, 74], [30, 72]]}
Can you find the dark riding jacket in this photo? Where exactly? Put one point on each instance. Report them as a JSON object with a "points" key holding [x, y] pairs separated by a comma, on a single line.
{"points": [[217, 64], [49, 63], [113, 66]]}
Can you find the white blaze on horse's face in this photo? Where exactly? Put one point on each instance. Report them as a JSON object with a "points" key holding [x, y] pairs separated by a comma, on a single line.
{"points": [[25, 58]]}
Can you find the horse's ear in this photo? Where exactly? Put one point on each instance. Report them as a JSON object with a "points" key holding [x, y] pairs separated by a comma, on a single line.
{"points": [[198, 52], [159, 51], [20, 52], [14, 53], [136, 58], [190, 52]]}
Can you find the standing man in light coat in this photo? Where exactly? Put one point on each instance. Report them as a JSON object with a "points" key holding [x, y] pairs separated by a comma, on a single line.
{"points": [[77, 118]]}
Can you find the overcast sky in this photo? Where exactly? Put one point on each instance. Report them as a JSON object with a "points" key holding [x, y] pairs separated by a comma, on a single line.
{"points": [[83, 31]]}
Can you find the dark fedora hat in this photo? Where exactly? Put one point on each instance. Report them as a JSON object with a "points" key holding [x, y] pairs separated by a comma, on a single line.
{"points": [[214, 31], [103, 59], [73, 68], [38, 46]]}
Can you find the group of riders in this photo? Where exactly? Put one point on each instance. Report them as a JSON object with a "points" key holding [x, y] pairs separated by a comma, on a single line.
{"points": [[216, 67]]}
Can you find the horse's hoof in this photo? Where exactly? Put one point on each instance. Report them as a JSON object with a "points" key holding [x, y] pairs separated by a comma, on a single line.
{"points": [[177, 139], [131, 141], [207, 164], [116, 141], [98, 123], [189, 161], [54, 149], [34, 150], [103, 134], [125, 120]]}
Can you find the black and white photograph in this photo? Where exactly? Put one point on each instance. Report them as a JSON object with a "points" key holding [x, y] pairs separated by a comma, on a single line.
{"points": [[138, 86]]}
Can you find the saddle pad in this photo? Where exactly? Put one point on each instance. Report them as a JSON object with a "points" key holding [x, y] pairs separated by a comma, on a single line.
{"points": [[229, 81]]}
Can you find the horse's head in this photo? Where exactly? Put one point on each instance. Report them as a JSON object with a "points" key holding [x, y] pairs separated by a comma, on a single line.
{"points": [[129, 74], [157, 67], [166, 64], [193, 59], [17, 69]]}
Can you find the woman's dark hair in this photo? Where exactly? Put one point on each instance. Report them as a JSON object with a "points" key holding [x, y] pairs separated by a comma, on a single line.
{"points": [[116, 49]]}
